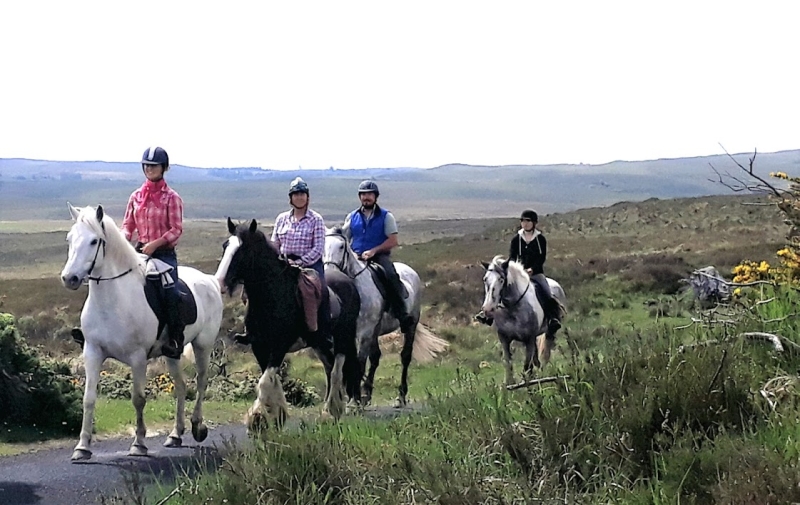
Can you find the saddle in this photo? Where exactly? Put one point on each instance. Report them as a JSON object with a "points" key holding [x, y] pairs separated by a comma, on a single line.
{"points": [[309, 290], [382, 280], [157, 279], [550, 305]]}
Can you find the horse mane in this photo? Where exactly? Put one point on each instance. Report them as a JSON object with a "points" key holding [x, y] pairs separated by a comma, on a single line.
{"points": [[515, 272], [259, 246], [118, 249]]}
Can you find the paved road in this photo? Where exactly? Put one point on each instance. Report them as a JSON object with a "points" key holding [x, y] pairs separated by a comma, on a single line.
{"points": [[47, 477]]}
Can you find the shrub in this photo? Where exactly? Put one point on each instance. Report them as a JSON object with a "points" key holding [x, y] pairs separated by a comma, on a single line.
{"points": [[30, 385]]}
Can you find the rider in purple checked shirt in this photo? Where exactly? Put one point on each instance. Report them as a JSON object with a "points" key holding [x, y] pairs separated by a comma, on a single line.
{"points": [[299, 234]]}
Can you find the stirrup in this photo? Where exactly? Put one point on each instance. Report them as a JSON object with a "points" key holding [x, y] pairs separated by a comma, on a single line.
{"points": [[171, 350]]}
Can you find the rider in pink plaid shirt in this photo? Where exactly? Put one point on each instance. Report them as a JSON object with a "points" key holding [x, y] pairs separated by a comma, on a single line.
{"points": [[155, 214]]}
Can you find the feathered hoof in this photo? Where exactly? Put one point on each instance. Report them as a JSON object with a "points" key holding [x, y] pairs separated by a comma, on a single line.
{"points": [[199, 432], [173, 442], [81, 455], [256, 422], [327, 417], [400, 402], [353, 407], [137, 450]]}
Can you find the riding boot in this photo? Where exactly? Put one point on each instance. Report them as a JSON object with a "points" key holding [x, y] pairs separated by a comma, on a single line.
{"points": [[173, 348], [482, 318], [77, 336], [395, 292], [553, 316]]}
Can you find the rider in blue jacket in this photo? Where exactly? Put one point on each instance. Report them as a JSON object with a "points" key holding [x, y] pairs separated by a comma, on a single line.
{"points": [[372, 231]]}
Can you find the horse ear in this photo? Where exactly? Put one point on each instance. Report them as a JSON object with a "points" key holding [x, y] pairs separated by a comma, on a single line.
{"points": [[253, 226], [231, 227], [504, 265], [73, 211], [485, 265], [100, 213]]}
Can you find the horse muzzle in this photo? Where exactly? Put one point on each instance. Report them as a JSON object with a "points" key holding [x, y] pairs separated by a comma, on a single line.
{"points": [[72, 282]]}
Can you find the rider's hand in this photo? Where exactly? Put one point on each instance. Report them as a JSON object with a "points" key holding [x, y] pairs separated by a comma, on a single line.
{"points": [[366, 255], [149, 248], [529, 270]]}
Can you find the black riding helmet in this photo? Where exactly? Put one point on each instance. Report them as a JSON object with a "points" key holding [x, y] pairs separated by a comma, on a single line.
{"points": [[368, 187], [529, 214], [155, 156], [298, 185]]}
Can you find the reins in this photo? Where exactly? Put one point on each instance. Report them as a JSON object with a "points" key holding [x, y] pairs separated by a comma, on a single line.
{"points": [[97, 280], [341, 264]]}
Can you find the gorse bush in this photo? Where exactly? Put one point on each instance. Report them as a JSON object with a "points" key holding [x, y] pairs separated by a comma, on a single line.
{"points": [[30, 386]]}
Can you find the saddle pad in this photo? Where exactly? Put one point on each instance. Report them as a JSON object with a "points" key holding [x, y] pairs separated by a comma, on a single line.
{"points": [[187, 307], [381, 281]]}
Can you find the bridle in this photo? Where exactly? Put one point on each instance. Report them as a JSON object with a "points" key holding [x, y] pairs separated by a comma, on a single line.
{"points": [[341, 264], [102, 243], [519, 299]]}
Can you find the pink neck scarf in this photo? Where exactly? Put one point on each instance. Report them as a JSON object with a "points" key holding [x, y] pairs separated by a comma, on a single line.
{"points": [[151, 190]]}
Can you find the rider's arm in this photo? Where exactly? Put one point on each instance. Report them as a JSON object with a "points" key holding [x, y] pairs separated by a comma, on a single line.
{"points": [[129, 222], [513, 250], [346, 232], [390, 230], [315, 253], [174, 222], [274, 238]]}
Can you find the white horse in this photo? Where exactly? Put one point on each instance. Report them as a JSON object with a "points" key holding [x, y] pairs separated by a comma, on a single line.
{"points": [[375, 319], [118, 323], [510, 299]]}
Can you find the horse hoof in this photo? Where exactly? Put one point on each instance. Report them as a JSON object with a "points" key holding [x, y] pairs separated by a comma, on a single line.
{"points": [[81, 455], [256, 422], [199, 432], [173, 442], [399, 403], [327, 417], [353, 407], [137, 450]]}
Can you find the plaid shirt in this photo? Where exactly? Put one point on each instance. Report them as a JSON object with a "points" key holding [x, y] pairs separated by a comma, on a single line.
{"points": [[152, 222], [304, 238]]}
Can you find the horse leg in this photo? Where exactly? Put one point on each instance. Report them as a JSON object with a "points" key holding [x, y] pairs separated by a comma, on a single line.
{"points": [[405, 358], [175, 371], [202, 358], [369, 382], [531, 357], [139, 374], [326, 358], [93, 360], [506, 343], [270, 403], [334, 403]]}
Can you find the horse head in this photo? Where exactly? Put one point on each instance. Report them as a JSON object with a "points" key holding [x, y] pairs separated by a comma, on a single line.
{"points": [[337, 250], [89, 239], [246, 254], [494, 281]]}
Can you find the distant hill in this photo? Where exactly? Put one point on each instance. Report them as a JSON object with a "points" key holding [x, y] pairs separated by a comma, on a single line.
{"points": [[36, 189]]}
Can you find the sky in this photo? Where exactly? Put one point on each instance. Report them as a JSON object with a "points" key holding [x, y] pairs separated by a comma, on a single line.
{"points": [[365, 84]]}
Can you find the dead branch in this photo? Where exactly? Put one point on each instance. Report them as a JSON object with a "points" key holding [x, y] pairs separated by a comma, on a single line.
{"points": [[533, 382], [776, 341], [716, 374]]}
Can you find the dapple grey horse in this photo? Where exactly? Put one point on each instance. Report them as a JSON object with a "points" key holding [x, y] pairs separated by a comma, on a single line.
{"points": [[375, 320], [511, 300]]}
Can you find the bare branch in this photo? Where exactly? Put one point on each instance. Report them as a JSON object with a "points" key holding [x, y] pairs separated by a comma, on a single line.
{"points": [[533, 382]]}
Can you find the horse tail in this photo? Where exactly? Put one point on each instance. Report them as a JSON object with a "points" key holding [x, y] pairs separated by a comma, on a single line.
{"points": [[188, 353], [544, 346], [427, 345]]}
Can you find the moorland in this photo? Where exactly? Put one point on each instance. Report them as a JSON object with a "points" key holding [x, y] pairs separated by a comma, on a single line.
{"points": [[637, 422]]}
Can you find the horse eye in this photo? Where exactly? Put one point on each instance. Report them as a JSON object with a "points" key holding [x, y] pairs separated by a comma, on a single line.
{"points": [[93, 242]]}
